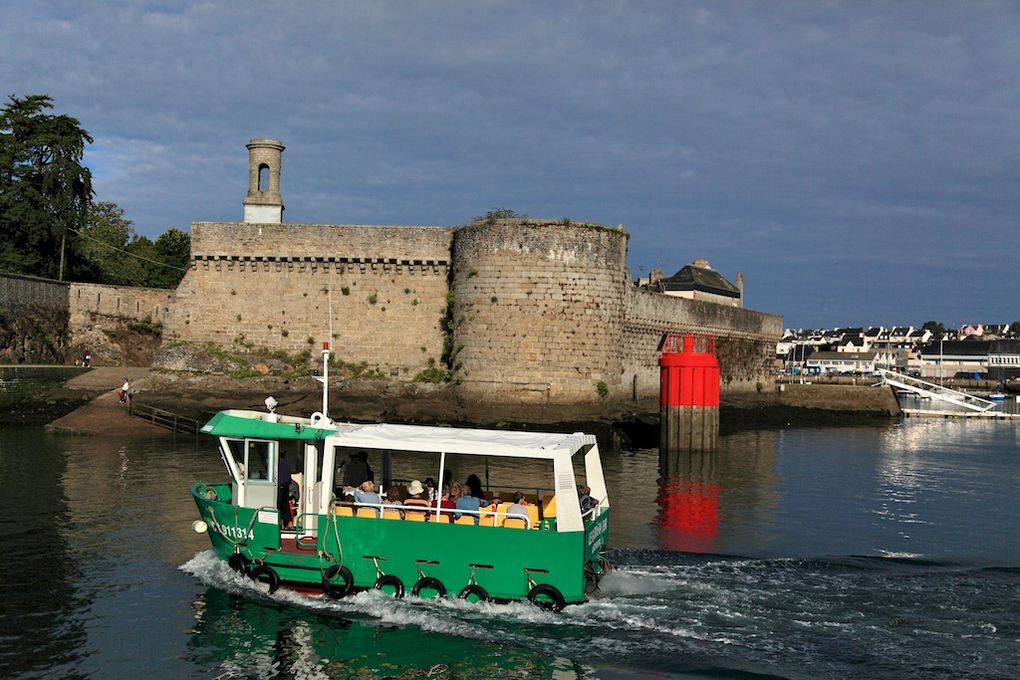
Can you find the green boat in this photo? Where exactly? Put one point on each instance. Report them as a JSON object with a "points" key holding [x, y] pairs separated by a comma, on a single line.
{"points": [[552, 556]]}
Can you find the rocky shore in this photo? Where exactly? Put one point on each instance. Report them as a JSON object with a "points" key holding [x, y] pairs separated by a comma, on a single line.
{"points": [[199, 395]]}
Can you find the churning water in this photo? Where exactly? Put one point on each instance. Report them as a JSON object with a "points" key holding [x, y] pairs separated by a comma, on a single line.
{"points": [[887, 551]]}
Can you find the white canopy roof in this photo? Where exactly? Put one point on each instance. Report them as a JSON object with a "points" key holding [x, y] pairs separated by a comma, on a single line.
{"points": [[460, 440]]}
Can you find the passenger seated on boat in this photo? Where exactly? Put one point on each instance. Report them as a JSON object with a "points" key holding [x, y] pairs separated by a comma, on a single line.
{"points": [[366, 494], [393, 496], [474, 486], [415, 499], [444, 500], [588, 504], [431, 495], [517, 508], [468, 501]]}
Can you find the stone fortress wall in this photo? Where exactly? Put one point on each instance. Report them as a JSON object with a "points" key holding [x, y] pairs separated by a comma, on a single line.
{"points": [[44, 321], [745, 339], [273, 285], [538, 311], [519, 310]]}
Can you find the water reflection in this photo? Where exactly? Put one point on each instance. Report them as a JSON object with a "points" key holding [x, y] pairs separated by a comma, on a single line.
{"points": [[704, 497], [42, 612], [238, 637]]}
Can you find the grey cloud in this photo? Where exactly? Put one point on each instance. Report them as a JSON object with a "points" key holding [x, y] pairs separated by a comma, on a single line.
{"points": [[777, 139]]}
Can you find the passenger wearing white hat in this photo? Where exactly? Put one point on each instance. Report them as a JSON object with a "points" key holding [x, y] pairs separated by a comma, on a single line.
{"points": [[415, 499]]}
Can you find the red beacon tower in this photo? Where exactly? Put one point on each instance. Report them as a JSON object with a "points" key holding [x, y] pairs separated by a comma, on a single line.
{"points": [[688, 392]]}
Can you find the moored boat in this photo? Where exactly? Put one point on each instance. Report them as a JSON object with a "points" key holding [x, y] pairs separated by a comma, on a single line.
{"points": [[552, 554]]}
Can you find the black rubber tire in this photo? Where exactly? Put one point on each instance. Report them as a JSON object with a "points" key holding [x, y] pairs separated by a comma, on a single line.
{"points": [[547, 597], [479, 592], [239, 563], [390, 580], [591, 579], [264, 574], [337, 590], [429, 583]]}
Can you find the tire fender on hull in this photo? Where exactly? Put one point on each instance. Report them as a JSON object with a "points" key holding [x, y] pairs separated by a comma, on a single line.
{"points": [[480, 593], [264, 574], [239, 563], [337, 590], [429, 583], [547, 597], [391, 581]]}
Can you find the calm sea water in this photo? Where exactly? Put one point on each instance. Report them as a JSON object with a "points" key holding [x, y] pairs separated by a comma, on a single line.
{"points": [[880, 552]]}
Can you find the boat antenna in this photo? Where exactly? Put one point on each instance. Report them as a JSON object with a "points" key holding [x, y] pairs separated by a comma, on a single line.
{"points": [[324, 378]]}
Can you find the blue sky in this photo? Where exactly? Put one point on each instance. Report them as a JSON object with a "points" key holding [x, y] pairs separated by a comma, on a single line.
{"points": [[859, 162]]}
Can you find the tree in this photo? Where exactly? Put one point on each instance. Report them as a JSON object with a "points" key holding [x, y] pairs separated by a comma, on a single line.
{"points": [[119, 256], [1014, 328], [174, 248], [105, 238], [44, 189], [935, 327]]}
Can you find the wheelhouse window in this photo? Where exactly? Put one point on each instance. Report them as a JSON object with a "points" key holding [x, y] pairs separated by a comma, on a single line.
{"points": [[260, 460]]}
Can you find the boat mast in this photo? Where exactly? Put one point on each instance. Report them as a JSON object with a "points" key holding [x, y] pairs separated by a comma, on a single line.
{"points": [[325, 379]]}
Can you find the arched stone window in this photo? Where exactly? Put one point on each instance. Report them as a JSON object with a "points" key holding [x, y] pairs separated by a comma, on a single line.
{"points": [[263, 178]]}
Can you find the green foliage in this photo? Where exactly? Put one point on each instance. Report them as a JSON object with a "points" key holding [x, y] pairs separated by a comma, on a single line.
{"points": [[373, 298], [433, 374], [358, 371], [602, 389], [45, 190], [935, 327], [472, 272], [497, 214], [1014, 328], [119, 256], [144, 326], [345, 291]]}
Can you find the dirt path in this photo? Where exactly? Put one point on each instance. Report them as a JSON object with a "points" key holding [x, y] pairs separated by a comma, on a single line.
{"points": [[105, 415]]}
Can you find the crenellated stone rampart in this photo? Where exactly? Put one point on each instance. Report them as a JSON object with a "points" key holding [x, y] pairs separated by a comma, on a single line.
{"points": [[520, 310], [275, 286]]}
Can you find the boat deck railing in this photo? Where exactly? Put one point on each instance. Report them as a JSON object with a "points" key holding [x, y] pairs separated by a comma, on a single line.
{"points": [[432, 514]]}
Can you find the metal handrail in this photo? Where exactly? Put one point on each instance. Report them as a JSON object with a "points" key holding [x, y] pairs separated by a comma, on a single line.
{"points": [[432, 510], [163, 418]]}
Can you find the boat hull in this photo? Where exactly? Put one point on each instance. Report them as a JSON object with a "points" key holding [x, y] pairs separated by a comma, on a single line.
{"points": [[505, 563]]}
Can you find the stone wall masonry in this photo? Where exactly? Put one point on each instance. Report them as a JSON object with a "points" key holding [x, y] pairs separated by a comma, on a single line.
{"points": [[19, 289], [269, 286], [745, 345], [33, 320], [122, 302], [537, 310], [343, 244]]}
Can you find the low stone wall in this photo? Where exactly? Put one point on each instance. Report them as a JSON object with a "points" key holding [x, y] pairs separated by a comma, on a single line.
{"points": [[848, 398], [33, 320]]}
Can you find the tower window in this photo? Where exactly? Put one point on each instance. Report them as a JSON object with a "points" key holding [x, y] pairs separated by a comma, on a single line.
{"points": [[263, 178]]}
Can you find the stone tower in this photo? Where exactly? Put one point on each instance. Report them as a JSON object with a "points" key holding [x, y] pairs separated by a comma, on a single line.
{"points": [[263, 204]]}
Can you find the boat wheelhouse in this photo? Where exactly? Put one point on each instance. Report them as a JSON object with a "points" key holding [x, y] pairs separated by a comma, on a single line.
{"points": [[555, 555]]}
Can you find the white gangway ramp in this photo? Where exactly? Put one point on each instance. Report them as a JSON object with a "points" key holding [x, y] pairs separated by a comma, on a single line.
{"points": [[940, 392]]}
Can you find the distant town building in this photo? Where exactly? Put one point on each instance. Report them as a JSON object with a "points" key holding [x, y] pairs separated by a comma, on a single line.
{"points": [[698, 281]]}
